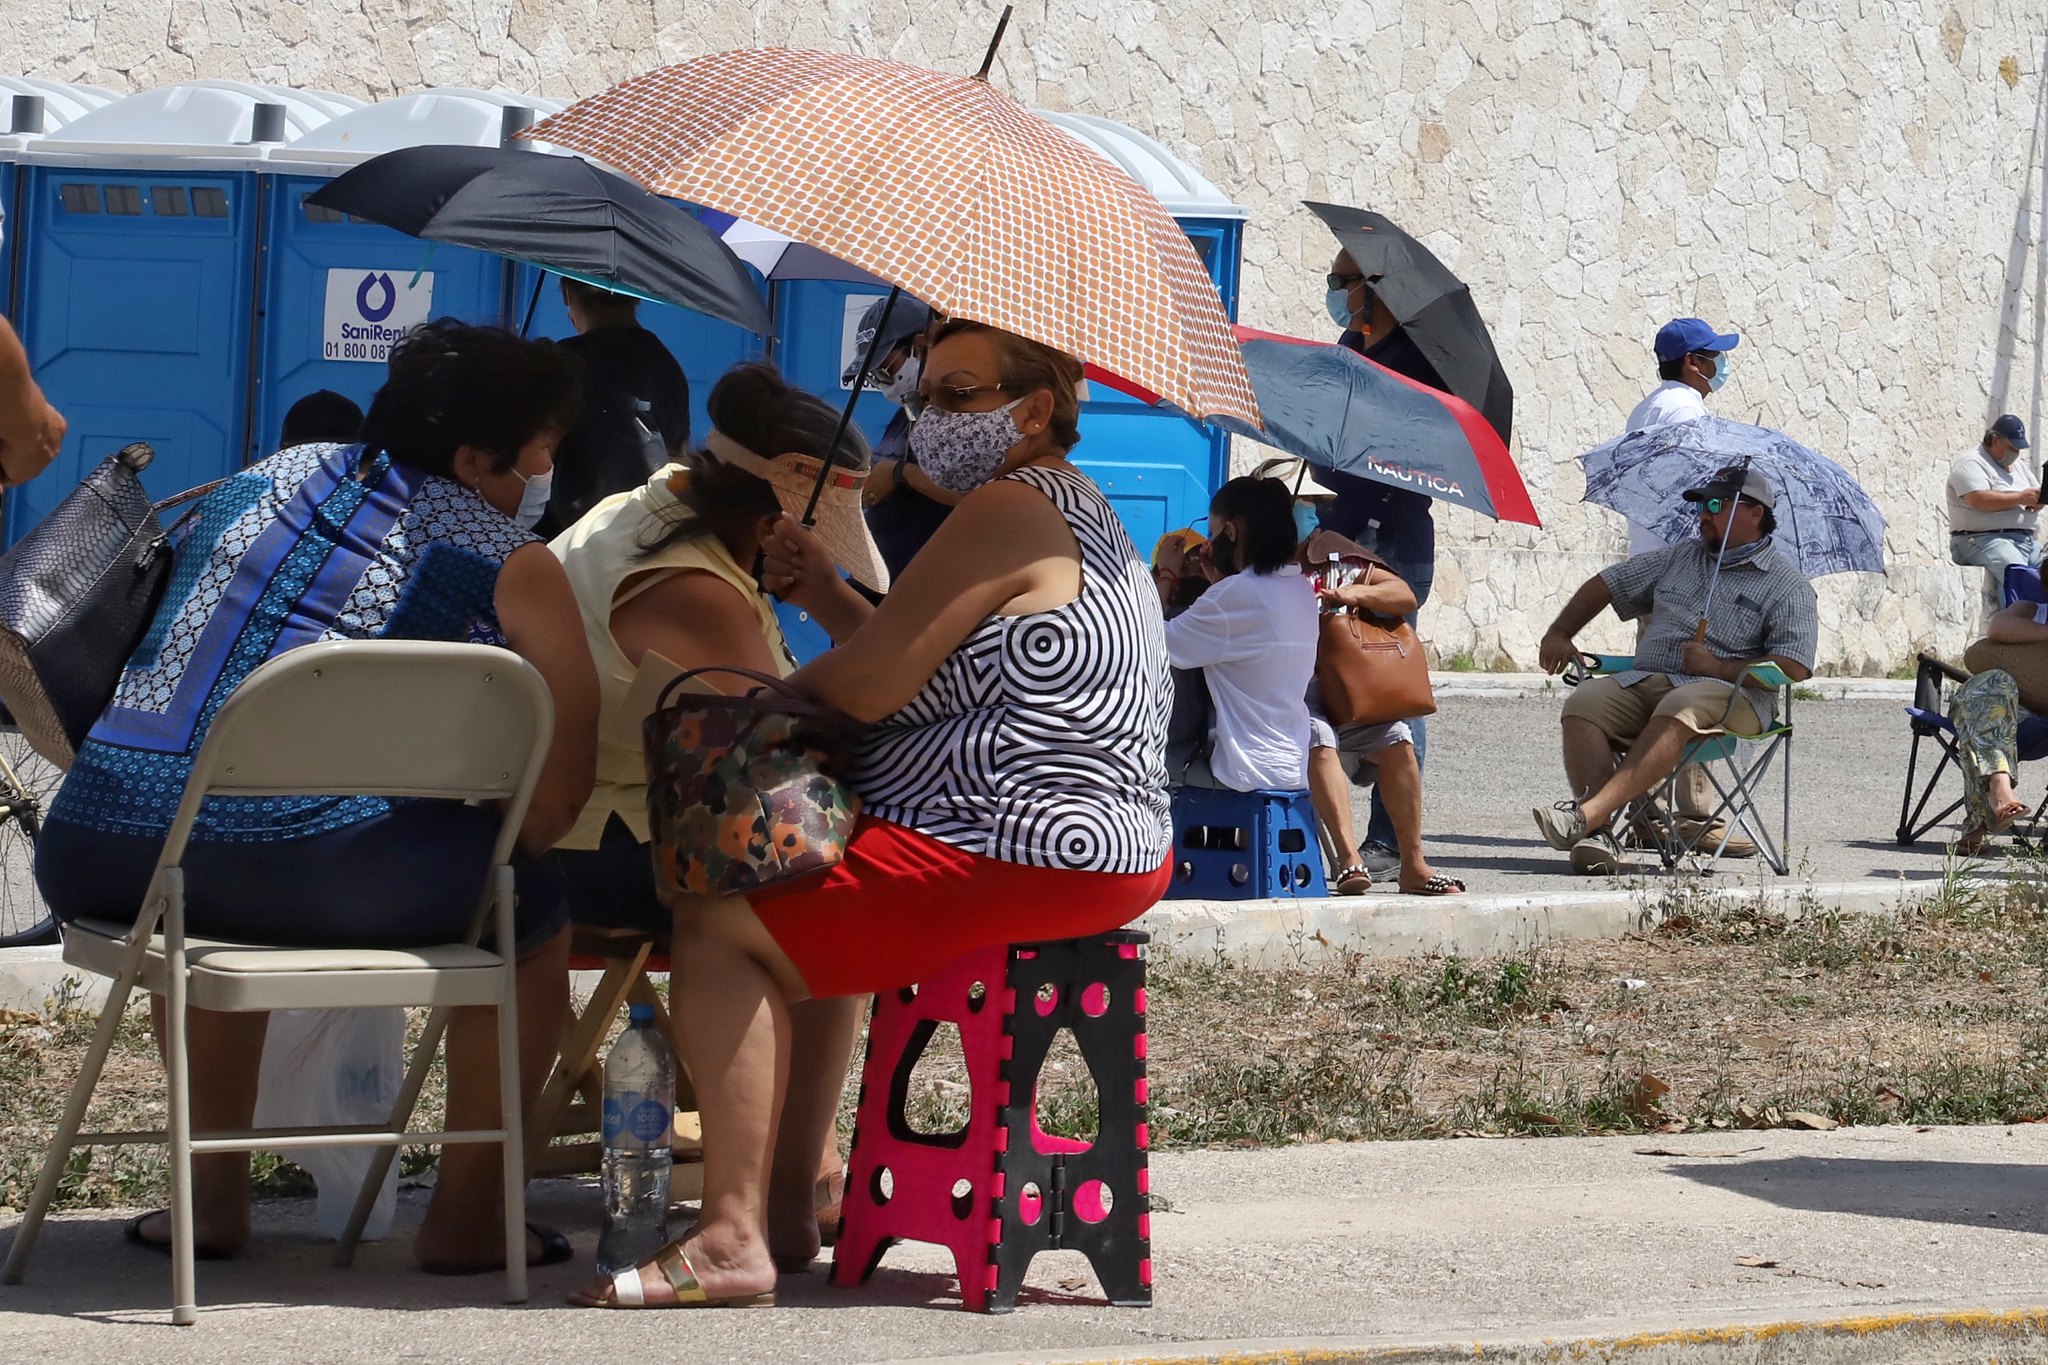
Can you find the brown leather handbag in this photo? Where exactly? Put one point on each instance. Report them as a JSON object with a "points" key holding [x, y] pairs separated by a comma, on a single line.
{"points": [[1371, 670]]}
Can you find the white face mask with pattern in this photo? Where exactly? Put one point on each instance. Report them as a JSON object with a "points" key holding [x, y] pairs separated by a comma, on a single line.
{"points": [[961, 451]]}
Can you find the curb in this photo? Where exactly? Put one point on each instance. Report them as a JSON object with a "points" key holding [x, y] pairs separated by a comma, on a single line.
{"points": [[1445, 684], [1273, 933], [1281, 933], [1930, 1334]]}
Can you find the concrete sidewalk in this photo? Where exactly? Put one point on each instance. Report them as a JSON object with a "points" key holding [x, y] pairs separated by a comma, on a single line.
{"points": [[1873, 1244]]}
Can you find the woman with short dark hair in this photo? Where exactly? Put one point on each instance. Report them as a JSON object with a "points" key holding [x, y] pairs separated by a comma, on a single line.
{"points": [[417, 534]]}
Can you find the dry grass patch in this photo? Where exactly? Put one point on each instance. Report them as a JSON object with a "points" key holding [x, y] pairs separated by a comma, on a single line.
{"points": [[1717, 1018]]}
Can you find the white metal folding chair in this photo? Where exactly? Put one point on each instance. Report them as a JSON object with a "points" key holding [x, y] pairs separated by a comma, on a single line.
{"points": [[456, 722]]}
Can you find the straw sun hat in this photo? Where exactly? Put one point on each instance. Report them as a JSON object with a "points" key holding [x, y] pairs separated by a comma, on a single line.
{"points": [[840, 528]]}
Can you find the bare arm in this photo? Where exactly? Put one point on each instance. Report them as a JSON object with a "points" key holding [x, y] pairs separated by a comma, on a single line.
{"points": [[1006, 547], [797, 569], [542, 625], [31, 431], [1697, 659], [1997, 500], [1558, 650], [695, 620], [1381, 591], [2015, 625], [889, 475]]}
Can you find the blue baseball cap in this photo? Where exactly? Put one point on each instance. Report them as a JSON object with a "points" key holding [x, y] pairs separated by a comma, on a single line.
{"points": [[2012, 429], [1682, 336]]}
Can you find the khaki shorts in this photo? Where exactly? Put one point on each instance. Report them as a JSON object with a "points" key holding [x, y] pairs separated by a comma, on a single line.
{"points": [[1623, 713]]}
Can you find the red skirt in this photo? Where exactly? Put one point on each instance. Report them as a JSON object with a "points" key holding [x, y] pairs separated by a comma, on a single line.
{"points": [[901, 905]]}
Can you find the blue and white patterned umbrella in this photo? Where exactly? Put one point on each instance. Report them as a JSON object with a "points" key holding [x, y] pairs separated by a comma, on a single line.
{"points": [[1826, 522]]}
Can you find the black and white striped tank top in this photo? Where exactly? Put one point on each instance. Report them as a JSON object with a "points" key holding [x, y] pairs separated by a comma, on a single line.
{"points": [[1042, 739]]}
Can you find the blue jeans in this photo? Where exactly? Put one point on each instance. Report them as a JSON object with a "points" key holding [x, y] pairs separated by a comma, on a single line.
{"points": [[410, 876], [1379, 829], [1996, 551]]}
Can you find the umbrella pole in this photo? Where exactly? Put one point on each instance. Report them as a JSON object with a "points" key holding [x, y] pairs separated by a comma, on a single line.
{"points": [[1713, 582], [1002, 26], [867, 362], [532, 303]]}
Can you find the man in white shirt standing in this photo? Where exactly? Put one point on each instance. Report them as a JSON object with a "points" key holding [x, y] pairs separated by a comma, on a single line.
{"points": [[1692, 362], [1993, 502]]}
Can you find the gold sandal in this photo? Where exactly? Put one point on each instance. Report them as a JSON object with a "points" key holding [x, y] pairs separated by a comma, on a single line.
{"points": [[627, 1291]]}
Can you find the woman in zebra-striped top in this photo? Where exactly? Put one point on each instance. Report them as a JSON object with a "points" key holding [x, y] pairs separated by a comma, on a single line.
{"points": [[1013, 789]]}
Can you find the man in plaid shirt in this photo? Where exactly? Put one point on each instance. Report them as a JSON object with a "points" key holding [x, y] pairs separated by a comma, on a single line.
{"points": [[1689, 662]]}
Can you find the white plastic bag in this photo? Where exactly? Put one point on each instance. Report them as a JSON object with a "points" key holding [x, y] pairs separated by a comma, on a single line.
{"points": [[335, 1067]]}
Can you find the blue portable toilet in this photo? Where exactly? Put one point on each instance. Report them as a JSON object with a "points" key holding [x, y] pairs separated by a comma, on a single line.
{"points": [[1157, 469], [704, 347], [61, 103], [336, 291], [138, 304]]}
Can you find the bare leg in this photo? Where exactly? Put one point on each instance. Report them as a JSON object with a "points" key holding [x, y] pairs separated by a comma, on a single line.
{"points": [[229, 1051], [1330, 792], [1400, 778], [1588, 757], [460, 1229], [1650, 759], [2005, 807], [806, 1147], [729, 994]]}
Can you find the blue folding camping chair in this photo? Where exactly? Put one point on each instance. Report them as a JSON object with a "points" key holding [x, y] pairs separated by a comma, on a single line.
{"points": [[1928, 718]]}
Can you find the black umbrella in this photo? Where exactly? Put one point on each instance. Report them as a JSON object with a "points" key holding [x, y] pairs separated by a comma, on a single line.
{"points": [[1432, 305], [557, 212]]}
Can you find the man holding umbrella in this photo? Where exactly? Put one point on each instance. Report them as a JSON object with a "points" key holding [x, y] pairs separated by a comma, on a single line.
{"points": [[1716, 604]]}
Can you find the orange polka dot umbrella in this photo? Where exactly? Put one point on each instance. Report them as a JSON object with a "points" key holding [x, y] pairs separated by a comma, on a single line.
{"points": [[940, 184]]}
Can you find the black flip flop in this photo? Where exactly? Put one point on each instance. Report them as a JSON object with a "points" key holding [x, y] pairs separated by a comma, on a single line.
{"points": [[132, 1230], [554, 1249]]}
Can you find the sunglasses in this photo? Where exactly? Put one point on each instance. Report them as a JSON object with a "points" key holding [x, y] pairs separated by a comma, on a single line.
{"points": [[1344, 281], [1713, 506]]}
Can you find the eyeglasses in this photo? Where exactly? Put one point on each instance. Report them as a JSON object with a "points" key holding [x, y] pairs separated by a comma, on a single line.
{"points": [[1344, 281], [1713, 506], [948, 397]]}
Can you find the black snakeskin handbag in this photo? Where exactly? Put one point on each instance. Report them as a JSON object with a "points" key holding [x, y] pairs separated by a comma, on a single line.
{"points": [[76, 595]]}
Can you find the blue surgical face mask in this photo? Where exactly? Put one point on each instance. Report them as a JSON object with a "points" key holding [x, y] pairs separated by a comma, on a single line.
{"points": [[1720, 375], [1305, 521], [1338, 301], [533, 498]]}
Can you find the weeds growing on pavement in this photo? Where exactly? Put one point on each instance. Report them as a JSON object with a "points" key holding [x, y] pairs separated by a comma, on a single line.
{"points": [[1721, 1012]]}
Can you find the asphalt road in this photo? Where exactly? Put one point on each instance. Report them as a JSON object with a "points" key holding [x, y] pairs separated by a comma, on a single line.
{"points": [[1449, 1243], [1491, 759]]}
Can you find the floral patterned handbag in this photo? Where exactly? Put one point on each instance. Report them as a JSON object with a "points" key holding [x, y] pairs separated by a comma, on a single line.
{"points": [[745, 792]]}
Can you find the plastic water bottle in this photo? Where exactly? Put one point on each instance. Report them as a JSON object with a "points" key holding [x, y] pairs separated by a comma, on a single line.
{"points": [[639, 1107]]}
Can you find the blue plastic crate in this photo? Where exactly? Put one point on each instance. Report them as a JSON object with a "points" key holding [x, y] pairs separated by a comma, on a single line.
{"points": [[1231, 845]]}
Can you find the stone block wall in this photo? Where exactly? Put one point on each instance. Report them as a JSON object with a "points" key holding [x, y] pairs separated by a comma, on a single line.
{"points": [[1856, 187]]}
